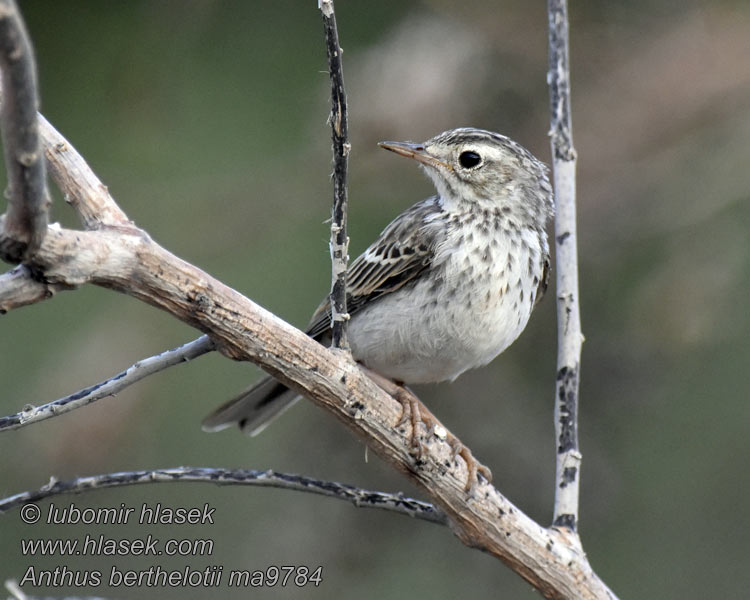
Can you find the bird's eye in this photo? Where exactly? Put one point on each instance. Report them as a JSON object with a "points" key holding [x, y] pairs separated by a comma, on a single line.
{"points": [[469, 159]]}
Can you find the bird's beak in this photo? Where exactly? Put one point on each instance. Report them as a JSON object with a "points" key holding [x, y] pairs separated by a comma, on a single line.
{"points": [[415, 151]]}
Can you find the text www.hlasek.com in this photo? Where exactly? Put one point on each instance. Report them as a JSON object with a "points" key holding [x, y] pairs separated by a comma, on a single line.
{"points": [[101, 545]]}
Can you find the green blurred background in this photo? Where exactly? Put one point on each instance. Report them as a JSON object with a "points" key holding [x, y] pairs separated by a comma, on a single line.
{"points": [[207, 120]]}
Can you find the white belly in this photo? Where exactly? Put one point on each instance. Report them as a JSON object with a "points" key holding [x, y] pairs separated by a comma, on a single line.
{"points": [[426, 332]]}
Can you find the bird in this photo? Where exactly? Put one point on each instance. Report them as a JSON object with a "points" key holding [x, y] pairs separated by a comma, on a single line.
{"points": [[449, 284]]}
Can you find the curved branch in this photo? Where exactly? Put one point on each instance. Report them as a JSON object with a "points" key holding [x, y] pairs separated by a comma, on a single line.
{"points": [[397, 503], [28, 199], [109, 387]]}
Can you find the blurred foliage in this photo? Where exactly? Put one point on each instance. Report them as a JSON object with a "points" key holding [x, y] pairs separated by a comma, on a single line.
{"points": [[207, 120]]}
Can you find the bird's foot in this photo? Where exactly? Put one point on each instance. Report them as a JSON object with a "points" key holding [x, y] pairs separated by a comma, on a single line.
{"points": [[414, 413], [474, 467], [410, 408]]}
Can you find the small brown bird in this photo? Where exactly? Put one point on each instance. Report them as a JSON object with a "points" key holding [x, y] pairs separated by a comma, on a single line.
{"points": [[449, 284]]}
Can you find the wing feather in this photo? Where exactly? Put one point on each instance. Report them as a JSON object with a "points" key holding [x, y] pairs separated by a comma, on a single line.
{"points": [[401, 252]]}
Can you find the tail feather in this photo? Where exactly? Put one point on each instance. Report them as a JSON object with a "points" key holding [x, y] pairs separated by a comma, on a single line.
{"points": [[254, 409]]}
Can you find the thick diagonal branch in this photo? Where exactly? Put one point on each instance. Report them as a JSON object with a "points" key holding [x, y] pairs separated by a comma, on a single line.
{"points": [[127, 260]]}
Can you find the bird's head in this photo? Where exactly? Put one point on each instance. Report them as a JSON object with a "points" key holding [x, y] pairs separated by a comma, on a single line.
{"points": [[477, 166]]}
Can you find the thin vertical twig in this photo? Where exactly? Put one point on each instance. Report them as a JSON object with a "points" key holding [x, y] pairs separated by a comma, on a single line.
{"points": [[28, 199], [339, 134], [570, 338]]}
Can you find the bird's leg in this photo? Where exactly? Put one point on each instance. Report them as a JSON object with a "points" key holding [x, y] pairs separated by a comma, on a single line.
{"points": [[415, 412], [419, 413], [410, 412], [409, 406]]}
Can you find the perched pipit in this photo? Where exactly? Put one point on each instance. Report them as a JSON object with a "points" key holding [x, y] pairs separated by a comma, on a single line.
{"points": [[449, 284]]}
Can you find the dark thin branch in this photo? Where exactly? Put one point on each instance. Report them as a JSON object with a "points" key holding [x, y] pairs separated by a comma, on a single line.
{"points": [[109, 387], [341, 147], [570, 338], [28, 199], [397, 503]]}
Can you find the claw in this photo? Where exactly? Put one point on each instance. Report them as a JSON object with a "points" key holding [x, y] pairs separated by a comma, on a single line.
{"points": [[414, 412], [475, 469], [410, 412]]}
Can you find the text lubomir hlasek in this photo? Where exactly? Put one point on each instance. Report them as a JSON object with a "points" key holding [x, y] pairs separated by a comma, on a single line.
{"points": [[147, 514]]}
